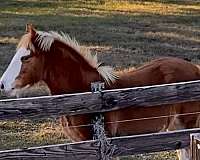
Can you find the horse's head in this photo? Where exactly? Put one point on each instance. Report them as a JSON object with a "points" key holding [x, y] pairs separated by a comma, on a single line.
{"points": [[55, 59], [26, 66]]}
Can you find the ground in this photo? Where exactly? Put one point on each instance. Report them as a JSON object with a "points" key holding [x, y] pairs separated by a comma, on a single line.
{"points": [[122, 33]]}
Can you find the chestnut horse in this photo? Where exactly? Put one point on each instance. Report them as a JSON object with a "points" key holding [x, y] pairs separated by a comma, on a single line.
{"points": [[66, 67]]}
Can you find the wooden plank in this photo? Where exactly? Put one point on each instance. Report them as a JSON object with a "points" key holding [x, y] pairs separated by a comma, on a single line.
{"points": [[52, 106], [48, 106], [87, 150], [195, 146], [152, 95]]}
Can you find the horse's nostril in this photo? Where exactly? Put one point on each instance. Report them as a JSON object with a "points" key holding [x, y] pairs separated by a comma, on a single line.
{"points": [[2, 86]]}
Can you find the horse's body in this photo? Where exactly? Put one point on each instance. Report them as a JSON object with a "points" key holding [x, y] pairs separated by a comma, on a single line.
{"points": [[67, 68], [163, 70]]}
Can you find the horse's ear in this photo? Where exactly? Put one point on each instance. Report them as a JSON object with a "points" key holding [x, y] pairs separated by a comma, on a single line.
{"points": [[30, 29]]}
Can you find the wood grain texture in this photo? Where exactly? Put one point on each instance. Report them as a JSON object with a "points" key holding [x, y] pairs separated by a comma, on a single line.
{"points": [[53, 106], [152, 95], [194, 145], [48, 106], [87, 150]]}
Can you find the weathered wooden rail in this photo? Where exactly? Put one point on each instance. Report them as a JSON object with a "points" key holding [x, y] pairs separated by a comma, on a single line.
{"points": [[70, 104], [53, 106], [88, 150]]}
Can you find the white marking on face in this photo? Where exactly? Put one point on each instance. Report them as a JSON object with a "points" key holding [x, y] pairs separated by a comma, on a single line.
{"points": [[13, 69]]}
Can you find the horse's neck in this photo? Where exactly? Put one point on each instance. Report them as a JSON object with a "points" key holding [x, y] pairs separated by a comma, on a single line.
{"points": [[126, 78], [63, 77]]}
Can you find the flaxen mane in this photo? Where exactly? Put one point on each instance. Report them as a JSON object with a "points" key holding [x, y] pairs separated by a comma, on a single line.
{"points": [[46, 39]]}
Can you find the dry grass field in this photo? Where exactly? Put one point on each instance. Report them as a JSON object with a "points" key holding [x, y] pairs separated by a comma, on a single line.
{"points": [[123, 33]]}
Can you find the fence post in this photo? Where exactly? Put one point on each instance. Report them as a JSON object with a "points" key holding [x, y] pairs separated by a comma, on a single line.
{"points": [[106, 149], [195, 146]]}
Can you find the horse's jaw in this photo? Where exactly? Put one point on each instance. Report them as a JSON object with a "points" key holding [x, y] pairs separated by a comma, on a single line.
{"points": [[37, 89], [17, 92]]}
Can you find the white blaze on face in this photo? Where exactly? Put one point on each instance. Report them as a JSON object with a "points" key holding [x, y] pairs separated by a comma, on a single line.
{"points": [[13, 69]]}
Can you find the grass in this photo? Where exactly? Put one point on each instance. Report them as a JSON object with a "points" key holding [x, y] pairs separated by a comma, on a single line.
{"points": [[21, 134], [123, 33]]}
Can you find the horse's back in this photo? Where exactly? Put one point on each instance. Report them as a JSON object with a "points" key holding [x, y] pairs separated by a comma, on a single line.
{"points": [[159, 71], [178, 70]]}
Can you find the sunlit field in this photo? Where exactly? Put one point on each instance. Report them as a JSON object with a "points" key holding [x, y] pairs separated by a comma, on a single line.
{"points": [[122, 33]]}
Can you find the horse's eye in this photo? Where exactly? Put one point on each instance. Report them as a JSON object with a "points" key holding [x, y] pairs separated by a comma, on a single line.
{"points": [[25, 58]]}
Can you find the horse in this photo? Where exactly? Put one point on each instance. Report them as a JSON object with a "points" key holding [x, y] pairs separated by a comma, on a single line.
{"points": [[66, 67]]}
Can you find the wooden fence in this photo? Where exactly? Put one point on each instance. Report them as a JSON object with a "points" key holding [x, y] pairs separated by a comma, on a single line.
{"points": [[54, 106]]}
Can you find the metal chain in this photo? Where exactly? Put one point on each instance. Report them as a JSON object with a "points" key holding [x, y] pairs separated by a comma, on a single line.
{"points": [[106, 149]]}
